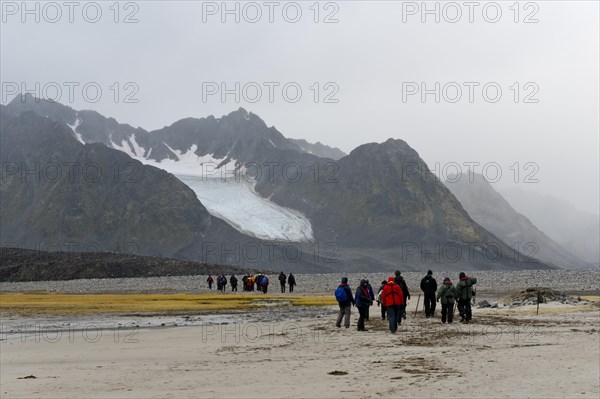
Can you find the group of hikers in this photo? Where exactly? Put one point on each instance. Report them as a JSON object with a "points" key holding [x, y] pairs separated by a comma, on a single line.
{"points": [[249, 281], [393, 295], [291, 281]]}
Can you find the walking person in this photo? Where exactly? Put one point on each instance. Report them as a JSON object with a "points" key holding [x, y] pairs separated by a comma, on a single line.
{"points": [[343, 295], [209, 280], [362, 300], [371, 296], [282, 281], [392, 298], [398, 279], [291, 282], [429, 288], [233, 281], [446, 295], [379, 300], [464, 293]]}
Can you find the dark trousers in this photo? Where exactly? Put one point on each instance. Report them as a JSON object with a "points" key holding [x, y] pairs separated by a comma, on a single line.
{"points": [[210, 286], [367, 313], [234, 287], [282, 288], [394, 314], [464, 309], [429, 301], [291, 288], [383, 312], [362, 312], [447, 312]]}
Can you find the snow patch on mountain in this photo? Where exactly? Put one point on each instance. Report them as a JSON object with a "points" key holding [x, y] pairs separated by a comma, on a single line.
{"points": [[237, 203], [74, 127]]}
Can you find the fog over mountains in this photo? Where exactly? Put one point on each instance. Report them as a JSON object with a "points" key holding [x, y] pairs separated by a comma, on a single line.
{"points": [[233, 190], [490, 209]]}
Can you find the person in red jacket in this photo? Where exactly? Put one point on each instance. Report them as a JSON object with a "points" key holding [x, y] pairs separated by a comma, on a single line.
{"points": [[393, 299]]}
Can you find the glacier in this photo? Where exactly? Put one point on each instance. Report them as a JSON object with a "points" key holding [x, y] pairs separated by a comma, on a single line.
{"points": [[228, 194]]}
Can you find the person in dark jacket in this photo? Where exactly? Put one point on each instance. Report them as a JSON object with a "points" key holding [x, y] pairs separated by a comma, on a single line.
{"points": [[233, 281], [282, 281], [398, 279], [429, 288], [464, 293], [346, 305], [379, 303], [446, 295], [291, 282], [372, 296], [392, 298], [209, 280], [362, 300]]}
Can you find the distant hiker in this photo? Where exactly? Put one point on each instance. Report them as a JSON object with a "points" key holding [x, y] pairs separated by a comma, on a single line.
{"points": [[219, 287], [362, 300], [429, 288], [343, 295], [446, 295], [371, 296], [264, 283], [233, 281], [282, 281], [244, 282], [250, 283], [223, 282], [209, 280], [392, 298], [379, 303], [464, 293], [257, 280], [291, 282], [398, 279]]}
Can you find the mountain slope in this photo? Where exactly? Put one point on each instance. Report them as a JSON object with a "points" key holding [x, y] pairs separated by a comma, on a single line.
{"points": [[575, 230], [492, 211], [89, 196], [383, 197]]}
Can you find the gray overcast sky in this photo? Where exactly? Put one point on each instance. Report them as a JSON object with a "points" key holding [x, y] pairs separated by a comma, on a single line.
{"points": [[369, 54]]}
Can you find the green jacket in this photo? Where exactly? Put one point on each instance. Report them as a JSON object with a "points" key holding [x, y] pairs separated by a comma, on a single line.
{"points": [[464, 289], [446, 293]]}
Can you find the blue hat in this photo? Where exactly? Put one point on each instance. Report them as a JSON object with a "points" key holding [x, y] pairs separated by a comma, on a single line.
{"points": [[344, 280]]}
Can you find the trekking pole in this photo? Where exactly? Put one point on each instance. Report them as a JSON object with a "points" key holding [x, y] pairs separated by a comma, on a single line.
{"points": [[417, 308], [537, 312]]}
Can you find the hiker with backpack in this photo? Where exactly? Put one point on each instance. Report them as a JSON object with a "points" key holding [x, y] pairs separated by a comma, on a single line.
{"points": [[379, 301], [264, 283], [233, 281], [429, 288], [291, 282], [464, 293], [209, 280], [398, 279], [282, 281], [362, 300], [392, 298], [446, 295], [343, 295]]}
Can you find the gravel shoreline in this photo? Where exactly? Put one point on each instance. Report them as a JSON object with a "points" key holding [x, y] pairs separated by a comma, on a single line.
{"points": [[567, 280]]}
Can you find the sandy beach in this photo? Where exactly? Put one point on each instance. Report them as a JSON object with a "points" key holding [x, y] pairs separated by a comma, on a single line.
{"points": [[297, 352]]}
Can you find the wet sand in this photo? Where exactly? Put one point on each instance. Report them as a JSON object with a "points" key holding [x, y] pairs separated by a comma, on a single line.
{"points": [[297, 352]]}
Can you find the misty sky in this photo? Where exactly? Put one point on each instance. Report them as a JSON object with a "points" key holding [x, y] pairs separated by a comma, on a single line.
{"points": [[370, 58]]}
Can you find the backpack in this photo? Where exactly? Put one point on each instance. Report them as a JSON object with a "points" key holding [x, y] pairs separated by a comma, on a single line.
{"points": [[427, 283], [449, 292], [340, 294]]}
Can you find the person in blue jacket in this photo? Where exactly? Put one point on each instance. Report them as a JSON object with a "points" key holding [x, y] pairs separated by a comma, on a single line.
{"points": [[345, 305]]}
